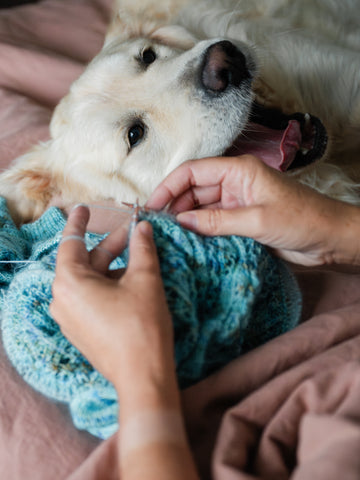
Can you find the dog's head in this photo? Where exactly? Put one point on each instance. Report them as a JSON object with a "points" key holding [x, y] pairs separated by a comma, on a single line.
{"points": [[148, 102], [143, 107]]}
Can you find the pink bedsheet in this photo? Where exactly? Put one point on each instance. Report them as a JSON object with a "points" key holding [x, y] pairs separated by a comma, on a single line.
{"points": [[287, 410]]}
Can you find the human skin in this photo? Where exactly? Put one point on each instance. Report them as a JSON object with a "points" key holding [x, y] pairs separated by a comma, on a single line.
{"points": [[243, 196], [120, 321]]}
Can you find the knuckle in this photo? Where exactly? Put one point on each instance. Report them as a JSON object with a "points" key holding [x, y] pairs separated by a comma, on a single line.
{"points": [[214, 221], [250, 161], [251, 166]]}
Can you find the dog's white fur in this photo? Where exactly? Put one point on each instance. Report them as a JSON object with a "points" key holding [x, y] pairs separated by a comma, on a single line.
{"points": [[308, 59]]}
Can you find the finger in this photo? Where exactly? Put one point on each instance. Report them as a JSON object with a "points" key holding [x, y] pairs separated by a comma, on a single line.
{"points": [[116, 274], [109, 248], [300, 258], [244, 221], [203, 172], [142, 253], [72, 247], [196, 197]]}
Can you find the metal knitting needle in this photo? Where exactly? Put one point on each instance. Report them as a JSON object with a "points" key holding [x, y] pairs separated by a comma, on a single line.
{"points": [[135, 216]]}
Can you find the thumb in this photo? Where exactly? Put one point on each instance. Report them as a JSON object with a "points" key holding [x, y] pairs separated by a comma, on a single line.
{"points": [[218, 221], [142, 249]]}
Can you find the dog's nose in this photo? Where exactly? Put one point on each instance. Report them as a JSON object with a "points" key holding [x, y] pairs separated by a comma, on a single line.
{"points": [[224, 65]]}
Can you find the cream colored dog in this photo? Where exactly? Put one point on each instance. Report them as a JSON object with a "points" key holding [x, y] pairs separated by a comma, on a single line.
{"points": [[178, 80]]}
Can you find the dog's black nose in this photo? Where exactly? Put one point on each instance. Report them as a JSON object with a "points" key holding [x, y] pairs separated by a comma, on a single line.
{"points": [[224, 65]]}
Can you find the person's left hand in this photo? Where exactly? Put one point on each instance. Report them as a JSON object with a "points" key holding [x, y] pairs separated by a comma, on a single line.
{"points": [[121, 325]]}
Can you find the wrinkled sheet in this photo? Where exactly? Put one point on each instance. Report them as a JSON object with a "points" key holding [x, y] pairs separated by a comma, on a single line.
{"points": [[287, 410]]}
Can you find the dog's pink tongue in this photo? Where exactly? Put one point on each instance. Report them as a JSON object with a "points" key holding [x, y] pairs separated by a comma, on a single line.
{"points": [[276, 148]]}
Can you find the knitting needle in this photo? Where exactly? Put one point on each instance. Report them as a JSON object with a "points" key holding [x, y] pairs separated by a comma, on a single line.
{"points": [[135, 216]]}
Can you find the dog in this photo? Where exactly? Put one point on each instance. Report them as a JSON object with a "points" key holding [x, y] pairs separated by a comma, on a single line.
{"points": [[179, 79]]}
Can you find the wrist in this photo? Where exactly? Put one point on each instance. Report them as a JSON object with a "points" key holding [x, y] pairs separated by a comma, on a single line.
{"points": [[148, 391], [153, 445], [345, 235], [152, 426]]}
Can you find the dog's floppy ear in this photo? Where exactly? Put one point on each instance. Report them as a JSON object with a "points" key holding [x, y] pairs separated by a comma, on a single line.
{"points": [[28, 185], [133, 19]]}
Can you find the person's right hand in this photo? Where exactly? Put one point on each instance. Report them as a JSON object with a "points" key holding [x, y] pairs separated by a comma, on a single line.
{"points": [[243, 196]]}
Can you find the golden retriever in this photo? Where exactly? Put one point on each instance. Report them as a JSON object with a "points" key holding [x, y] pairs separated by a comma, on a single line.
{"points": [[179, 80]]}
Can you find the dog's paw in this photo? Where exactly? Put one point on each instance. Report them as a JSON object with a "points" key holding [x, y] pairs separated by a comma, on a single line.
{"points": [[27, 186]]}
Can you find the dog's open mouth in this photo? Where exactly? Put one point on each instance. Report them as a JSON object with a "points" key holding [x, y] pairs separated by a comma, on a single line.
{"points": [[282, 141]]}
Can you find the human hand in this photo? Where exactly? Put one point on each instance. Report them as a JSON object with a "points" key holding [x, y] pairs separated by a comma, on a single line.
{"points": [[121, 325], [243, 196]]}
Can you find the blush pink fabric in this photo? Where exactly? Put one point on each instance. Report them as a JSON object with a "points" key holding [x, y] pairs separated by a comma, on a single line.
{"points": [[287, 410]]}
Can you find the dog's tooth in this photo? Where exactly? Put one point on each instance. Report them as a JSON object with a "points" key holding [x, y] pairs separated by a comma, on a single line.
{"points": [[307, 118], [304, 151]]}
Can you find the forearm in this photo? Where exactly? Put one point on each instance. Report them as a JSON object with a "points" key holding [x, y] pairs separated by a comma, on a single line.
{"points": [[152, 437]]}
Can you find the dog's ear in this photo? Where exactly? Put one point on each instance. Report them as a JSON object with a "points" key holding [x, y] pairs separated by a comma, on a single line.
{"points": [[133, 19], [28, 185]]}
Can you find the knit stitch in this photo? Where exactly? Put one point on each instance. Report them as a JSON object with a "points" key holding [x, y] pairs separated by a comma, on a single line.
{"points": [[227, 295]]}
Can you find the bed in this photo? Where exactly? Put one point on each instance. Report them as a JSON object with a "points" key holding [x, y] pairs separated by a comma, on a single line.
{"points": [[287, 410]]}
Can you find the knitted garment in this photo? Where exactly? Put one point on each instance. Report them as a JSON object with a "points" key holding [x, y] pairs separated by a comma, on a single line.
{"points": [[226, 295]]}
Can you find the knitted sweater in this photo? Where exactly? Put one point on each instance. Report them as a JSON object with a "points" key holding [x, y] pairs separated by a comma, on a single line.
{"points": [[227, 295]]}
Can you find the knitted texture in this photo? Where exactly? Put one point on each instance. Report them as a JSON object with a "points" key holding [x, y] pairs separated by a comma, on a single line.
{"points": [[226, 295]]}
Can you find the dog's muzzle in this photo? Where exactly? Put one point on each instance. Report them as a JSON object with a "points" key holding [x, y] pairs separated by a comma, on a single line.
{"points": [[282, 141]]}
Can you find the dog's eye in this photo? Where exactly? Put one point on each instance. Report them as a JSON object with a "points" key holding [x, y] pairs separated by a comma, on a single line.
{"points": [[148, 56], [135, 134]]}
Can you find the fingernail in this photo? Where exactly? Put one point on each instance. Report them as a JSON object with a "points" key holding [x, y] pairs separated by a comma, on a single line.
{"points": [[84, 218], [187, 220], [77, 206]]}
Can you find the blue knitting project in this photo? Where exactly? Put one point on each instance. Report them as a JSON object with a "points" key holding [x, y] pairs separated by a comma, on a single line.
{"points": [[226, 295]]}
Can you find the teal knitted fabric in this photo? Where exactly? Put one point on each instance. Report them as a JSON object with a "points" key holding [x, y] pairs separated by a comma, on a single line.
{"points": [[226, 295]]}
